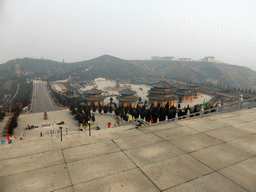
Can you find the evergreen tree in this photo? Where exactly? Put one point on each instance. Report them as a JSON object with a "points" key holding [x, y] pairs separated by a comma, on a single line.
{"points": [[94, 108], [126, 109], [93, 118], [100, 108], [105, 109], [110, 109]]}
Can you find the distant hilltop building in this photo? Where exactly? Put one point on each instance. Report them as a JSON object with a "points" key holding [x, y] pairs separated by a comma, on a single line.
{"points": [[162, 58], [184, 59], [209, 59]]}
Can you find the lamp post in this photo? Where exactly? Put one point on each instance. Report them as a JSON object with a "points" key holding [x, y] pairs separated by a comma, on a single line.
{"points": [[61, 132], [89, 122]]}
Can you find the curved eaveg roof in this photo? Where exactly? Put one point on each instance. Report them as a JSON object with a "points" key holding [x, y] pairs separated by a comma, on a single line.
{"points": [[88, 98], [185, 93], [162, 84], [185, 87], [93, 91], [127, 92], [155, 91]]}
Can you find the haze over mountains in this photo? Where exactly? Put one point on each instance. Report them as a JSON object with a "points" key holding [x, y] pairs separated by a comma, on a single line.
{"points": [[112, 67]]}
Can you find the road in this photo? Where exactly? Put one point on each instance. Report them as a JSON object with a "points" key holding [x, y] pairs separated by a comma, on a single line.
{"points": [[41, 99]]}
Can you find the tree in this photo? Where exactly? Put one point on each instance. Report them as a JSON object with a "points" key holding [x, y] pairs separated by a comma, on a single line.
{"points": [[105, 109], [126, 109], [118, 111], [94, 108], [195, 109], [100, 108]]}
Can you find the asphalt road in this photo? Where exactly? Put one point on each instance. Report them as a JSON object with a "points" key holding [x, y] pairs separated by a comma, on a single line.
{"points": [[41, 99]]}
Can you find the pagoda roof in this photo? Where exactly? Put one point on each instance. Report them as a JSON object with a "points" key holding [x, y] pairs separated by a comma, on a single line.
{"points": [[185, 87], [161, 84], [155, 91], [93, 91], [127, 92], [185, 93], [88, 98], [150, 96], [120, 98]]}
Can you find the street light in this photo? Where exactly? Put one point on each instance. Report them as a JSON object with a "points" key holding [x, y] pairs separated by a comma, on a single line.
{"points": [[61, 132], [89, 122]]}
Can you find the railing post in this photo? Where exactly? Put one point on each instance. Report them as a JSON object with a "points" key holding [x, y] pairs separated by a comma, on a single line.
{"points": [[240, 103], [202, 111], [188, 113], [218, 107]]}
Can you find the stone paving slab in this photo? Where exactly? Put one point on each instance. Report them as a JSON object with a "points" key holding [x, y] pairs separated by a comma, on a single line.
{"points": [[211, 125], [32, 147], [231, 121], [243, 173], [89, 169], [213, 182], [152, 153], [194, 142], [67, 189], [175, 132], [227, 134], [247, 117], [30, 162], [220, 156], [247, 144], [248, 126], [174, 171], [222, 116], [163, 126], [127, 181], [40, 180], [137, 141], [90, 150]]}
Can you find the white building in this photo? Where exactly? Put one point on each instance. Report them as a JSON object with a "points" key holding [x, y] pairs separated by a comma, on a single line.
{"points": [[209, 59]]}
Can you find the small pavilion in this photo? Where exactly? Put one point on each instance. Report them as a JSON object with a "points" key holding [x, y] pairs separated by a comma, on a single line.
{"points": [[94, 96], [184, 93], [161, 93], [195, 88], [127, 98]]}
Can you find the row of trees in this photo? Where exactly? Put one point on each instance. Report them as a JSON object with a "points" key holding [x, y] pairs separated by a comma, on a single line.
{"points": [[83, 115]]}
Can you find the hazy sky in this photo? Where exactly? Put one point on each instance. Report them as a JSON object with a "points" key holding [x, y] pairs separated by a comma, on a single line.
{"points": [[76, 30]]}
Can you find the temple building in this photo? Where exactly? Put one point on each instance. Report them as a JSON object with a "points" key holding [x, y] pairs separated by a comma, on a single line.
{"points": [[161, 93], [195, 88], [94, 96], [185, 94], [127, 98]]}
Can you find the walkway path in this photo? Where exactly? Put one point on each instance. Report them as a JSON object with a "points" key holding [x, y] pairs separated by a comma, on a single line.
{"points": [[209, 153]]}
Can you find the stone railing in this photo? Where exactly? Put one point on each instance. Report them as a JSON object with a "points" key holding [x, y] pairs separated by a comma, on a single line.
{"points": [[241, 104]]}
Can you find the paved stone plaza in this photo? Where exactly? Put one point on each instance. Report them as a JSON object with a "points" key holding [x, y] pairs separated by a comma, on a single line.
{"points": [[210, 153]]}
